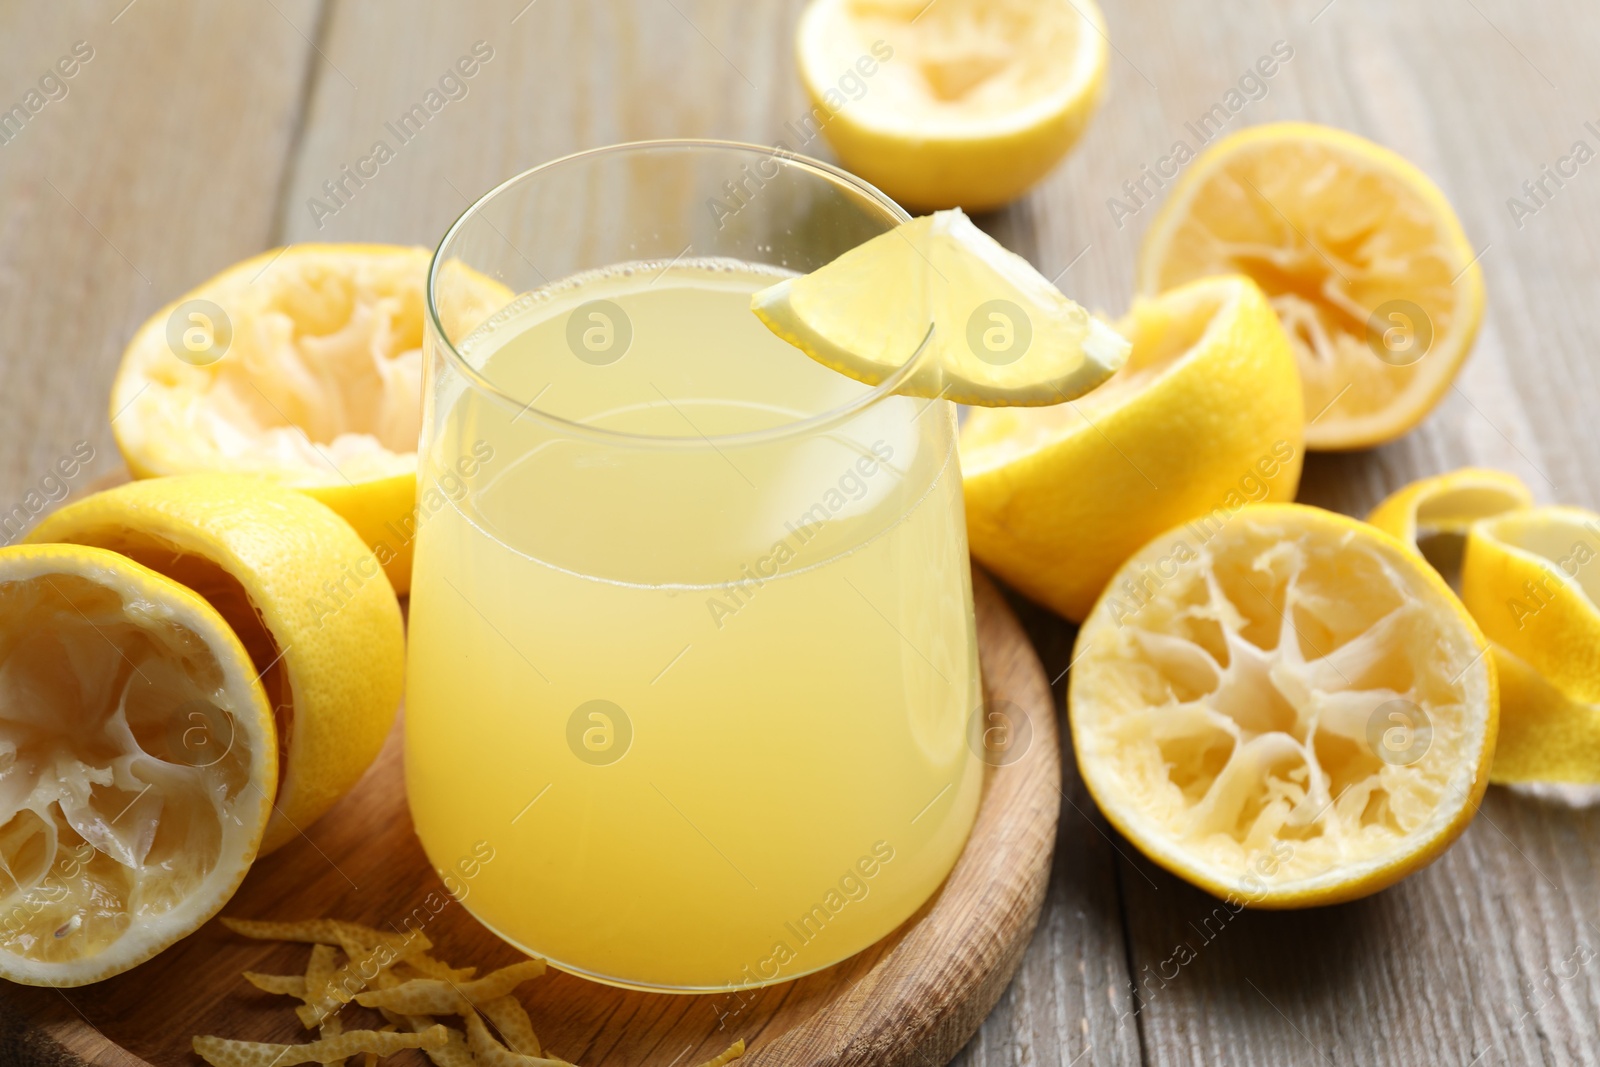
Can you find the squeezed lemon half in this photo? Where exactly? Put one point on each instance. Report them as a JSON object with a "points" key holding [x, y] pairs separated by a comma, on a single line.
{"points": [[1434, 514], [1525, 559], [1288, 709], [1361, 255], [138, 762], [303, 366], [1532, 579], [306, 597], [958, 103]]}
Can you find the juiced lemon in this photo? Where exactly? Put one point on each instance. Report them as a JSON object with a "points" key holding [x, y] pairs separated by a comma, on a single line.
{"points": [[1291, 709], [303, 366], [1204, 419], [137, 763], [958, 103], [1360, 254], [998, 333], [1548, 733], [305, 596]]}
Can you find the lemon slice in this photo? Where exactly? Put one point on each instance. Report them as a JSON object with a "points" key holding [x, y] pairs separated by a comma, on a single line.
{"points": [[303, 365], [1001, 334], [1203, 419], [137, 763], [306, 597], [1362, 256], [956, 103], [1434, 514], [1290, 710]]}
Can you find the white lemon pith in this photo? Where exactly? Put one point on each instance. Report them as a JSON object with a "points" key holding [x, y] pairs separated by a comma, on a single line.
{"points": [[1296, 710], [139, 763], [961, 103], [1001, 334]]}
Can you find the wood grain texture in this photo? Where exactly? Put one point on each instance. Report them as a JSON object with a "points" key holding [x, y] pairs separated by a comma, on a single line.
{"points": [[159, 166], [912, 999], [1475, 960]]}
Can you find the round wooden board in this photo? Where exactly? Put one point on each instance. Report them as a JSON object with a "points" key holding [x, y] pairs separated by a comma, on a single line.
{"points": [[913, 999]]}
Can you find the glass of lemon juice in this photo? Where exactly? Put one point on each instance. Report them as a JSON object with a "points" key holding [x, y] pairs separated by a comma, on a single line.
{"points": [[692, 657]]}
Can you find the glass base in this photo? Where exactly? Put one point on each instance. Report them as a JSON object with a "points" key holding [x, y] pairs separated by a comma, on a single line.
{"points": [[646, 987]]}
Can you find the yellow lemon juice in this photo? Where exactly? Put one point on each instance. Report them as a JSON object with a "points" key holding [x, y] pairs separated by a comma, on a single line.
{"points": [[691, 654]]}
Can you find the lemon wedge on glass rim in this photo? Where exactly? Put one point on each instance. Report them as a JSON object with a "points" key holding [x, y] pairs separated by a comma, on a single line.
{"points": [[138, 762], [1288, 709], [1001, 334]]}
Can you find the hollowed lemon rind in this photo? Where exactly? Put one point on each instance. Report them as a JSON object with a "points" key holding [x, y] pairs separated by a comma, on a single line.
{"points": [[1262, 876]]}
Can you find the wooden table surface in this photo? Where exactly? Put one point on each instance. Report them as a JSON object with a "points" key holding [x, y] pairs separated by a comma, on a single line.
{"points": [[195, 135]]}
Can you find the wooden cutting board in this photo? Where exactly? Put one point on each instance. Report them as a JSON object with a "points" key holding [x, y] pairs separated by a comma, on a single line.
{"points": [[912, 1000]]}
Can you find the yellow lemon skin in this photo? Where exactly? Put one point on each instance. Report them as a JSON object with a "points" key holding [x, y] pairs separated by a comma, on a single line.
{"points": [[1434, 514], [1545, 736], [116, 659], [1204, 418], [302, 589], [1261, 885], [384, 514], [1531, 578], [961, 146], [975, 173]]}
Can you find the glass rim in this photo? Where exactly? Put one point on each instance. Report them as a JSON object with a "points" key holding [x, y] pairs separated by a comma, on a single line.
{"points": [[810, 424]]}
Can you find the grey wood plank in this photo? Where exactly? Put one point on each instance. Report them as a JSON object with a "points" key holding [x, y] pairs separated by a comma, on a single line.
{"points": [[157, 164], [563, 77]]}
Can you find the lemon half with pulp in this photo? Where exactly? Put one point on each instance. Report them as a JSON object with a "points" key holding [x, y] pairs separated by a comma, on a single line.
{"points": [[138, 761], [1363, 258], [306, 597], [1291, 709], [302, 366]]}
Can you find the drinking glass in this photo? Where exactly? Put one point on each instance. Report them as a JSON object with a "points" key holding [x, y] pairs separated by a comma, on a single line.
{"points": [[692, 659]]}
